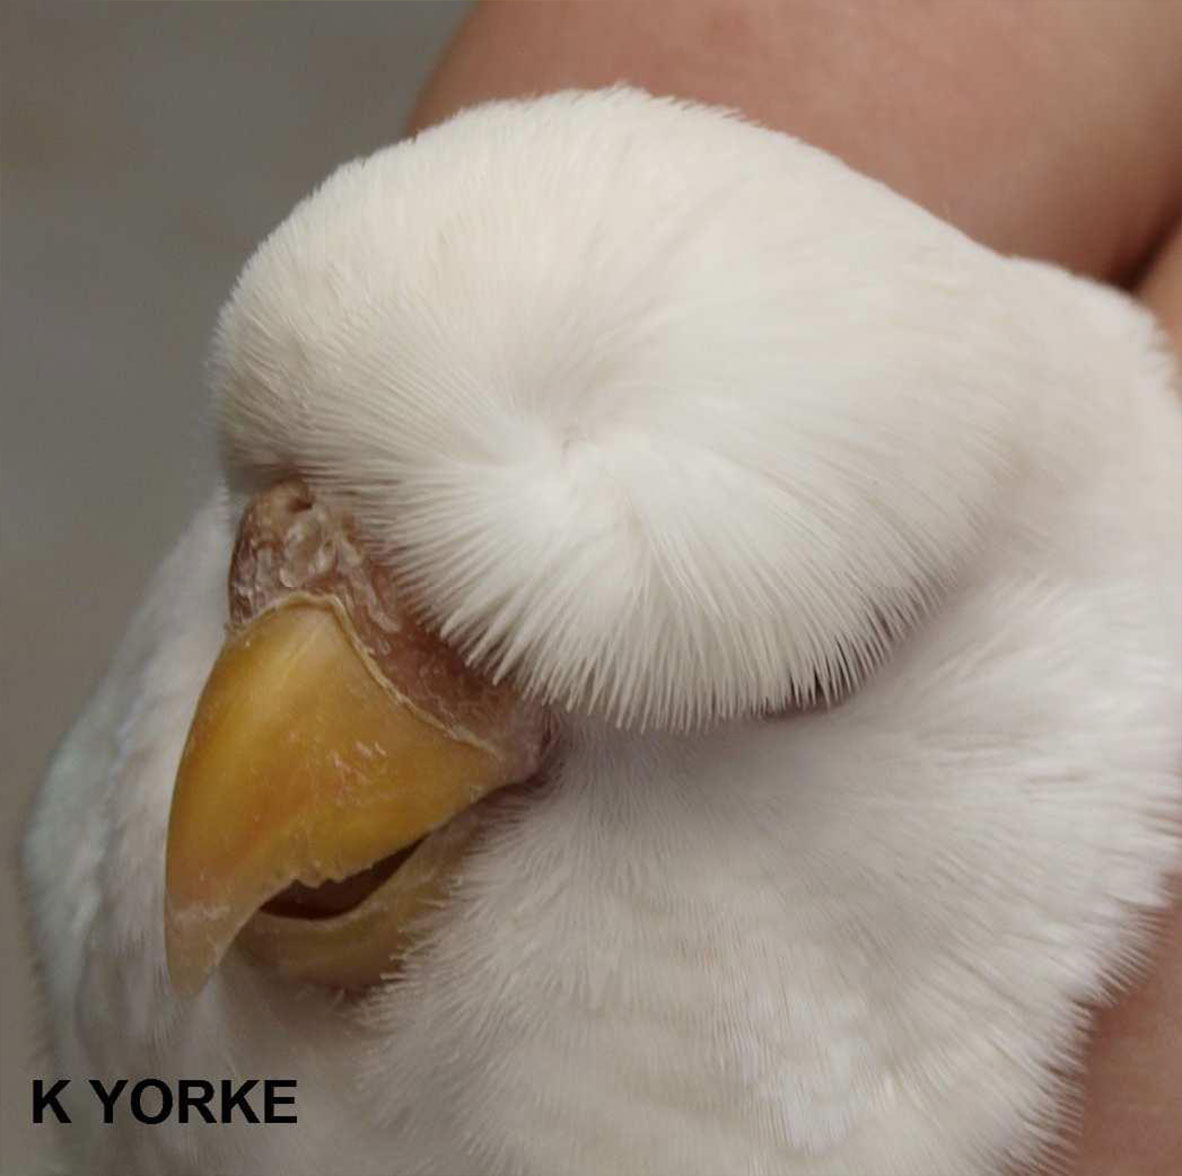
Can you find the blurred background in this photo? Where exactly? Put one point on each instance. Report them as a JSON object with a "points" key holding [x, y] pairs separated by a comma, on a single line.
{"points": [[144, 151]]}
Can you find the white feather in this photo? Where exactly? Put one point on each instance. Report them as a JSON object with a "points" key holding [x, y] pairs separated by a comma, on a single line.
{"points": [[679, 421], [671, 416]]}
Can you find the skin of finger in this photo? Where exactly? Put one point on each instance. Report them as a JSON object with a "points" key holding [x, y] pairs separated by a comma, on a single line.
{"points": [[1161, 289], [1132, 1110], [1047, 129]]}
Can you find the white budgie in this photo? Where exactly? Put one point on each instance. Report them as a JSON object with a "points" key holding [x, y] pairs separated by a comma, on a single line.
{"points": [[699, 686]]}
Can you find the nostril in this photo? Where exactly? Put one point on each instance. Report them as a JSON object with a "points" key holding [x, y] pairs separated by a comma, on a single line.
{"points": [[285, 542], [290, 497]]}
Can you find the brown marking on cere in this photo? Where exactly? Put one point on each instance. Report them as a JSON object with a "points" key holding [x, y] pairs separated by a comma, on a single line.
{"points": [[292, 544]]}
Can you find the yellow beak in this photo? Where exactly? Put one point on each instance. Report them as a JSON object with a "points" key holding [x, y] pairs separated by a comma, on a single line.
{"points": [[305, 765]]}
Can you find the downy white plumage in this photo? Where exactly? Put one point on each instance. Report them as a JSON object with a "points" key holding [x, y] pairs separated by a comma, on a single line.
{"points": [[850, 556]]}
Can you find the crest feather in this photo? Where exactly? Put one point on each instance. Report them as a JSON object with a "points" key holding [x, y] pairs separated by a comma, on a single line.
{"points": [[669, 416]]}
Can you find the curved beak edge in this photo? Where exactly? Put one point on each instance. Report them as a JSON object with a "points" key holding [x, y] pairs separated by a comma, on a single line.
{"points": [[301, 765]]}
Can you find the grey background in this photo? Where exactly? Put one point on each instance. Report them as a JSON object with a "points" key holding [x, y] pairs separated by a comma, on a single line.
{"points": [[144, 150]]}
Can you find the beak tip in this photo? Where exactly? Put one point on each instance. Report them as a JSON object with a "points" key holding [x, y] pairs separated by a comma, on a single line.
{"points": [[308, 768], [190, 950]]}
